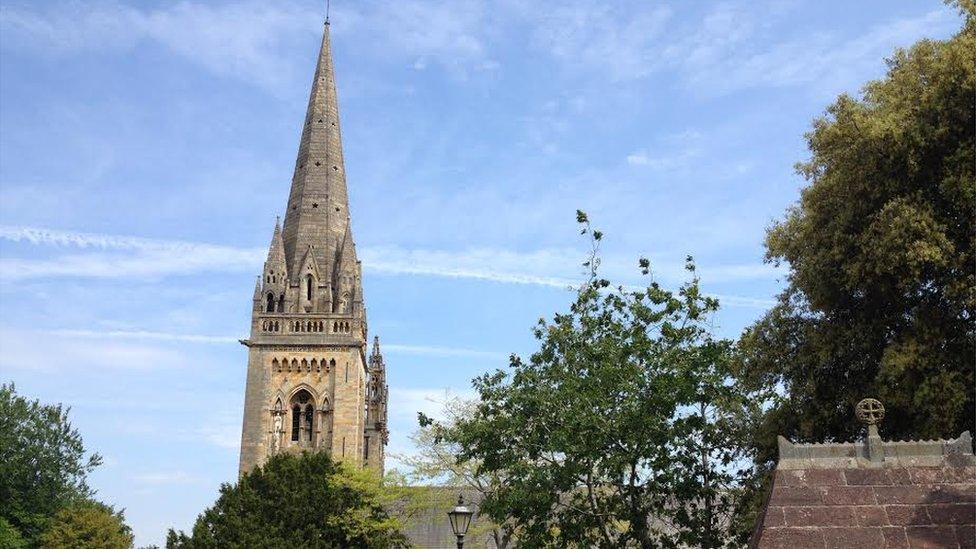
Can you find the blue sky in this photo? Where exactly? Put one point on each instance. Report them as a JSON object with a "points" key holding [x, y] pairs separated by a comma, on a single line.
{"points": [[146, 148]]}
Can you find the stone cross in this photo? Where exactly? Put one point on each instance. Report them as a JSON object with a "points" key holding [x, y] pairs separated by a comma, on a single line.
{"points": [[870, 411]]}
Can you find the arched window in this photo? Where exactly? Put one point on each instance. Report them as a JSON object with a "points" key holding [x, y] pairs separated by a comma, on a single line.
{"points": [[308, 287], [281, 303], [302, 416], [271, 302]]}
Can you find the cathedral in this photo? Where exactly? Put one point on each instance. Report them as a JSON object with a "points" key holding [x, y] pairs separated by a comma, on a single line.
{"points": [[311, 385]]}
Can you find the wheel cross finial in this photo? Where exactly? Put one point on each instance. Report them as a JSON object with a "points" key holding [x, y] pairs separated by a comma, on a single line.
{"points": [[869, 411]]}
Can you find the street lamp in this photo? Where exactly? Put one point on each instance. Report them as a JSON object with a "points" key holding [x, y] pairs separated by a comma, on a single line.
{"points": [[460, 520]]}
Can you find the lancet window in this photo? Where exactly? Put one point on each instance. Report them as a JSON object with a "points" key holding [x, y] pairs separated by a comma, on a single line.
{"points": [[302, 417]]}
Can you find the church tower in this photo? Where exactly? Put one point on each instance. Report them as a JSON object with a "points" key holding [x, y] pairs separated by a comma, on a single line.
{"points": [[309, 383]]}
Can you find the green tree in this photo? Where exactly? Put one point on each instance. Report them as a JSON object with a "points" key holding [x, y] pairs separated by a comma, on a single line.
{"points": [[305, 500], [435, 462], [43, 463], [622, 429], [87, 525], [10, 538], [881, 248]]}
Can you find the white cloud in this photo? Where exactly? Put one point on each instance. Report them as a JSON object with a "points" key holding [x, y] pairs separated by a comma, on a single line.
{"points": [[739, 301], [222, 428], [723, 51], [38, 352], [449, 31], [599, 36], [479, 263], [673, 152], [145, 335], [662, 163], [726, 50], [403, 407], [226, 436], [426, 350], [390, 348], [245, 39], [724, 57], [146, 257], [122, 256], [253, 40], [165, 478], [405, 403]]}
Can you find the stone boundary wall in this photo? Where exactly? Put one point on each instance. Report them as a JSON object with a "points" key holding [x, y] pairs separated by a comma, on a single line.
{"points": [[884, 508]]}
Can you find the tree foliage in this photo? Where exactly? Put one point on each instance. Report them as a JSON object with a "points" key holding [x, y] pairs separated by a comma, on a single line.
{"points": [[881, 296], [305, 500], [43, 463], [622, 429], [10, 538], [434, 461], [87, 525]]}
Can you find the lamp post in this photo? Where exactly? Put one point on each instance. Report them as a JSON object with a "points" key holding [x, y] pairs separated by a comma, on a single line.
{"points": [[460, 520]]}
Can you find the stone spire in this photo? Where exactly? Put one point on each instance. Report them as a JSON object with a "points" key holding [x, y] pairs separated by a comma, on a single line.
{"points": [[377, 394], [377, 377], [376, 357], [276, 252], [346, 275], [273, 280], [318, 205]]}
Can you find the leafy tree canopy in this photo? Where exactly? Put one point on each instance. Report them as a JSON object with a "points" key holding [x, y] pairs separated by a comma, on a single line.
{"points": [[10, 538], [304, 500], [881, 296], [43, 463], [87, 525], [434, 461], [621, 430]]}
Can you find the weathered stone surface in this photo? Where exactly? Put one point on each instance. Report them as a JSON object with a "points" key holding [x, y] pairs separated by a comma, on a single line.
{"points": [[849, 495], [844, 538]]}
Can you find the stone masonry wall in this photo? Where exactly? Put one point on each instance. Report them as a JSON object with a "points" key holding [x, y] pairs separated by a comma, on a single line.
{"points": [[349, 420], [890, 507]]}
